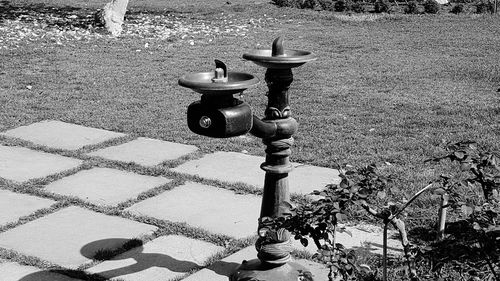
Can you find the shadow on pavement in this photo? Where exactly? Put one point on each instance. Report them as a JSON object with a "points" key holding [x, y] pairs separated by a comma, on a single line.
{"points": [[131, 250], [143, 260], [61, 275]]}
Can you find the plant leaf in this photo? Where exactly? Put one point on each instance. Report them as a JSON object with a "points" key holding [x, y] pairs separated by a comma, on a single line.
{"points": [[381, 194], [466, 210], [304, 242], [439, 191]]}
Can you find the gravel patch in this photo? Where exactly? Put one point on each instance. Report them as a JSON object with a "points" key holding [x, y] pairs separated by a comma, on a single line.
{"points": [[52, 26]]}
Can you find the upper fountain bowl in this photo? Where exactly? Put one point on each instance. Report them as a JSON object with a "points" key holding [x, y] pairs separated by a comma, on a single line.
{"points": [[278, 57]]}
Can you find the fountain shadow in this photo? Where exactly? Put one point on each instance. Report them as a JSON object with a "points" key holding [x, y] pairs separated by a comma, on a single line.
{"points": [[126, 257]]}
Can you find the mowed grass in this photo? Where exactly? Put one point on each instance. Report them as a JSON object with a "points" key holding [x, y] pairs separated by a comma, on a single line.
{"points": [[389, 90]]}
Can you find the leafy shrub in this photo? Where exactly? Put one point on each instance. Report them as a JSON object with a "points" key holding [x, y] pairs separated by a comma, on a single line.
{"points": [[287, 3], [382, 6], [431, 7], [358, 7], [457, 9], [342, 6], [310, 4], [484, 7], [327, 5], [473, 192], [412, 8]]}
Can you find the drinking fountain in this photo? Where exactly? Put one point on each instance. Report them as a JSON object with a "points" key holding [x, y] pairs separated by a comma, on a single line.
{"points": [[220, 114]]}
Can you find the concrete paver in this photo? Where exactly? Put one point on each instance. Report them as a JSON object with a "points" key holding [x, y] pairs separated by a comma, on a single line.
{"points": [[238, 167], [221, 270], [364, 238], [161, 259], [215, 209], [105, 186], [10, 271], [61, 135], [70, 237], [14, 205], [144, 151], [20, 164]]}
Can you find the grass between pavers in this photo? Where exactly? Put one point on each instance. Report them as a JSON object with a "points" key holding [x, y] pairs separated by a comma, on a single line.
{"points": [[36, 188], [164, 228]]}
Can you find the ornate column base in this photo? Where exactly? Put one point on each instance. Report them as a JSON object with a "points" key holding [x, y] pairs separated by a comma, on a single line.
{"points": [[255, 270]]}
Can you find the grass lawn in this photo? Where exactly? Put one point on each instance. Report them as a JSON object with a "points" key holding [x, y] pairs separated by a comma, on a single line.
{"points": [[389, 89]]}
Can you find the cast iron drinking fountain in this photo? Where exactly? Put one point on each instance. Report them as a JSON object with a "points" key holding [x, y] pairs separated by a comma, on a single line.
{"points": [[220, 114]]}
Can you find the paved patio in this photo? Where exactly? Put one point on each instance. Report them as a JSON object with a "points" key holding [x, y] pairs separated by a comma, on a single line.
{"points": [[70, 193]]}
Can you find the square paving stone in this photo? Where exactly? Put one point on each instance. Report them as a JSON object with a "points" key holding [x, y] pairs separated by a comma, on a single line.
{"points": [[161, 259], [221, 270], [366, 238], [238, 167], [71, 237], [105, 186], [144, 151], [61, 135], [14, 205], [214, 209], [10, 271], [20, 164]]}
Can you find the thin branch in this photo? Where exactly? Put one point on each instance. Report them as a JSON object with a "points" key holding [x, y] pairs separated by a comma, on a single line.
{"points": [[429, 186], [400, 226], [371, 211]]}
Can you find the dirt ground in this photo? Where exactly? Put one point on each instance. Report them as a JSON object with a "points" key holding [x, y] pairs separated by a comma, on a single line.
{"points": [[151, 4]]}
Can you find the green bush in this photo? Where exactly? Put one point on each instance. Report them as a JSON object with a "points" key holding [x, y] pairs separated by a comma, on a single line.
{"points": [[382, 6], [358, 7], [412, 8], [327, 5], [469, 191], [431, 7], [342, 6], [287, 3], [457, 9], [310, 4], [484, 7]]}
